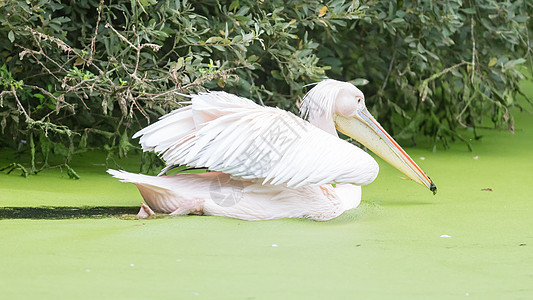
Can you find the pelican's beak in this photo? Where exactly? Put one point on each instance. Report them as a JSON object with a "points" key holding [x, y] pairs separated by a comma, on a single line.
{"points": [[365, 129]]}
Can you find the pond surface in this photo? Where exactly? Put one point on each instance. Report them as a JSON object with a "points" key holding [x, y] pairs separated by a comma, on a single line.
{"points": [[63, 238]]}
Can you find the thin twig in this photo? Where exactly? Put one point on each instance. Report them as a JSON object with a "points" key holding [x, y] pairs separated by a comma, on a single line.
{"points": [[32, 53], [14, 92], [142, 7], [93, 40], [473, 64], [424, 85], [58, 99], [120, 36], [389, 72]]}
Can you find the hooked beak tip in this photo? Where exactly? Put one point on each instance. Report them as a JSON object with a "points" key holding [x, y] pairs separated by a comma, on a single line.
{"points": [[432, 186]]}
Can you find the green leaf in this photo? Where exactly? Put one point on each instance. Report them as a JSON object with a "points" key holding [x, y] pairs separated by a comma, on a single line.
{"points": [[234, 5], [214, 39], [38, 96], [11, 36], [469, 11], [513, 63], [397, 20], [359, 82], [180, 63], [147, 2], [62, 19]]}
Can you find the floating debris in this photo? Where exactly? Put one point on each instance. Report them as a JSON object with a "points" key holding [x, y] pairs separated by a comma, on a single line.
{"points": [[274, 245], [487, 189], [476, 157], [446, 236], [422, 158]]}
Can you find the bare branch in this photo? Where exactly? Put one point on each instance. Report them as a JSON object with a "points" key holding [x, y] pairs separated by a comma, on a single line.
{"points": [[93, 40]]}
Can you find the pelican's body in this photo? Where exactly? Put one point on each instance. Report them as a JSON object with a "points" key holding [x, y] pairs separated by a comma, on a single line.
{"points": [[216, 194], [267, 163]]}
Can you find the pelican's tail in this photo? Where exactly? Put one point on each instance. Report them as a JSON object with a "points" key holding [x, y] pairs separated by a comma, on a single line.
{"points": [[164, 194]]}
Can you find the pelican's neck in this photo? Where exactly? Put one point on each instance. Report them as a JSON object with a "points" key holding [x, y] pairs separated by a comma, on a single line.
{"points": [[321, 121], [318, 104]]}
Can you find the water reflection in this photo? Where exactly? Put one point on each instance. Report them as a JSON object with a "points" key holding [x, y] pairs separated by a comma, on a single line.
{"points": [[65, 212]]}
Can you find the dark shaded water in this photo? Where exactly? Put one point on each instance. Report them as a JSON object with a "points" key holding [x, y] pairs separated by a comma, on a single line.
{"points": [[65, 212]]}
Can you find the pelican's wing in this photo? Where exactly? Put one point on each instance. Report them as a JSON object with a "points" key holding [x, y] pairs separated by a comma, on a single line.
{"points": [[226, 133]]}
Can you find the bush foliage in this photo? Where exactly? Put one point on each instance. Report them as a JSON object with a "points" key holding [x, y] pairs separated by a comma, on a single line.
{"points": [[77, 75]]}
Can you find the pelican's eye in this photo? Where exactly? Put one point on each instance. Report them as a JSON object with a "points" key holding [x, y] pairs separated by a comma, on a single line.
{"points": [[360, 103]]}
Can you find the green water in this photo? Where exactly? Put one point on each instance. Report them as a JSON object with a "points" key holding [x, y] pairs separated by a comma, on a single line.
{"points": [[394, 246]]}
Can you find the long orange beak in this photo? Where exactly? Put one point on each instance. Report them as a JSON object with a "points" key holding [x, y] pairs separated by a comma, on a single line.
{"points": [[365, 129]]}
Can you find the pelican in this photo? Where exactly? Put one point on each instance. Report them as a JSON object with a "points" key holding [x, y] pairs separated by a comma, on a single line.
{"points": [[264, 162]]}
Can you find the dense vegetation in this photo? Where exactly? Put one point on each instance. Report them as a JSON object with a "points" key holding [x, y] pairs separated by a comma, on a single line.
{"points": [[77, 75]]}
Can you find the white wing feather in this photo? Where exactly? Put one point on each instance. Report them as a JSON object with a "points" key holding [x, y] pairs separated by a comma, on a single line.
{"points": [[223, 132]]}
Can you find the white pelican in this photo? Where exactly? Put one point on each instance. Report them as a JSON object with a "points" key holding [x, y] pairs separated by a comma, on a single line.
{"points": [[267, 163]]}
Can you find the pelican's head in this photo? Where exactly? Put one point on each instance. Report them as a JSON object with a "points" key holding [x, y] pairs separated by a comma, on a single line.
{"points": [[342, 105]]}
